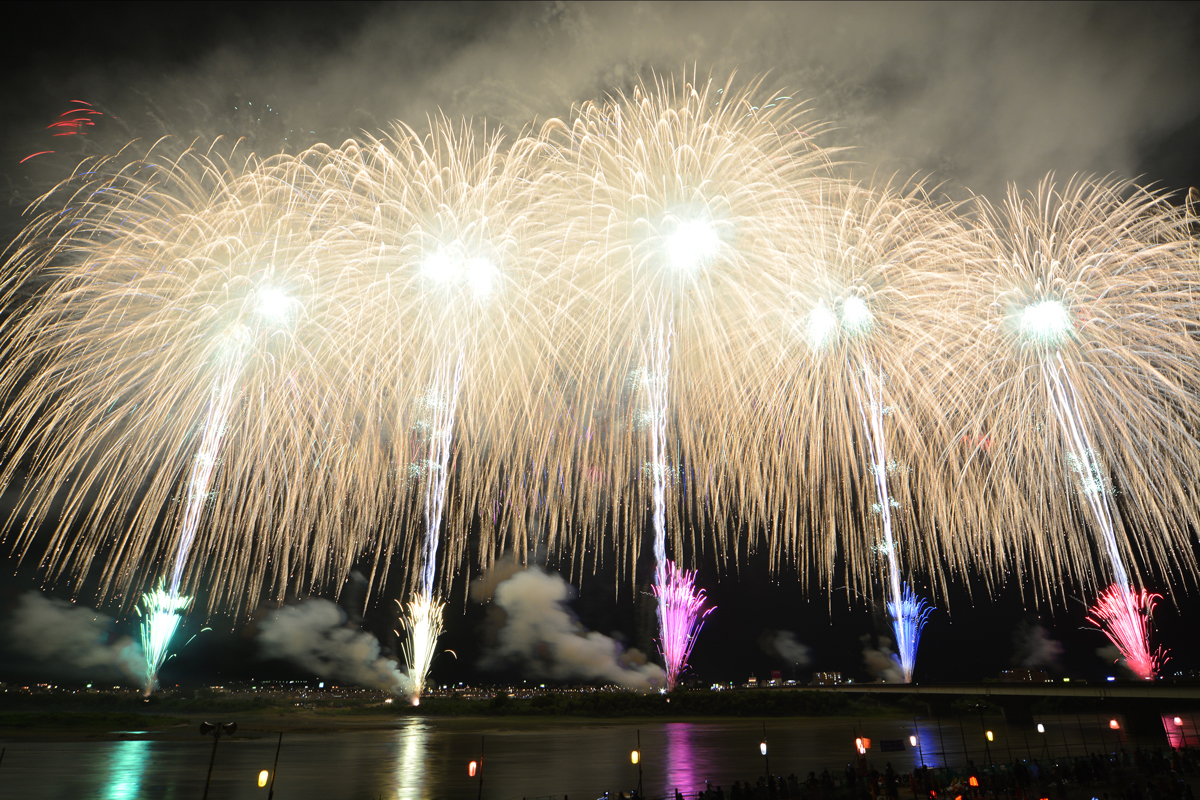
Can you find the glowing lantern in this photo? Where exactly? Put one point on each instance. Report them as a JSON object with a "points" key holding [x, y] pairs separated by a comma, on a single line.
{"points": [[1112, 723], [472, 768], [262, 778], [973, 781], [1178, 722], [1041, 728], [912, 741], [635, 757], [990, 737]]}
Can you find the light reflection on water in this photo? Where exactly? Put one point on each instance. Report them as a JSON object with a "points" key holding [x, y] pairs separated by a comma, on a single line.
{"points": [[680, 758], [411, 742], [126, 764], [427, 758]]}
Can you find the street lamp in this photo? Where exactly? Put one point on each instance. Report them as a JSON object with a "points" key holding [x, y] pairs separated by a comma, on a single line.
{"points": [[206, 728]]}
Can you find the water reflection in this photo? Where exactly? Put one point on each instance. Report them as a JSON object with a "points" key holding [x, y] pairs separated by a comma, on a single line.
{"points": [[680, 756], [930, 747], [411, 740], [126, 764]]}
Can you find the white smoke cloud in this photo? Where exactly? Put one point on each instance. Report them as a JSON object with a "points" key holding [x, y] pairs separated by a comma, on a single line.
{"points": [[1034, 647], [785, 645], [315, 635], [980, 94], [1111, 654], [541, 634], [882, 661], [71, 639]]}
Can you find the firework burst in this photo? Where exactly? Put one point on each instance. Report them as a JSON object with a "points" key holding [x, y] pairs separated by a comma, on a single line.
{"points": [[1090, 353]]}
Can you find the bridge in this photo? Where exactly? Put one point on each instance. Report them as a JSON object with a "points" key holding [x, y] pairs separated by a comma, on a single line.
{"points": [[1104, 691], [1141, 704]]}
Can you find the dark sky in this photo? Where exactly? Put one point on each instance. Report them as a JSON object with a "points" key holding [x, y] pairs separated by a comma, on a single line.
{"points": [[975, 96]]}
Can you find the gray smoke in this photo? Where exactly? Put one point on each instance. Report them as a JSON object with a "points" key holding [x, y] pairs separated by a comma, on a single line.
{"points": [[1034, 647], [785, 645], [315, 635], [539, 633], [72, 640], [882, 662], [978, 94], [1110, 654]]}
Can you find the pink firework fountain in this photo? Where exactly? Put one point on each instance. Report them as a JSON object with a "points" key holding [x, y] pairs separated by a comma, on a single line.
{"points": [[1124, 615], [681, 614]]}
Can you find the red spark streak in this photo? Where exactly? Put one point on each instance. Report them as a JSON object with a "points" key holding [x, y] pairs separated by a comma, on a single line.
{"points": [[1123, 614]]}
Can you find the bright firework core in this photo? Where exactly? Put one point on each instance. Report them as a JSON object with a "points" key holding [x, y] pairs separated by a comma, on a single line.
{"points": [[692, 245], [822, 325], [447, 266], [856, 316], [1124, 614], [1047, 322], [422, 621], [273, 304]]}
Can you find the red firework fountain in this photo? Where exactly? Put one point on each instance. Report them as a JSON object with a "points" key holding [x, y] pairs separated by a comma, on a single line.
{"points": [[1123, 614], [681, 614]]}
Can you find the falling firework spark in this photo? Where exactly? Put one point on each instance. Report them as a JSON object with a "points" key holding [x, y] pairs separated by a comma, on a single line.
{"points": [[1125, 616]]}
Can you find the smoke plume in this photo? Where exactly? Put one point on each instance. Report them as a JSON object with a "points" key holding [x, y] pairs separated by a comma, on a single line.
{"points": [[1111, 654], [785, 645], [539, 633], [315, 635], [882, 662], [978, 94], [1034, 647], [71, 639]]}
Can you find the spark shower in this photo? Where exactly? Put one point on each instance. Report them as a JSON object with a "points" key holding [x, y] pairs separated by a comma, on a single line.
{"points": [[668, 316]]}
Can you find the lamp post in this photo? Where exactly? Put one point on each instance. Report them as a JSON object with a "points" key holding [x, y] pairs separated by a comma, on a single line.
{"points": [[206, 728], [635, 757], [275, 768]]}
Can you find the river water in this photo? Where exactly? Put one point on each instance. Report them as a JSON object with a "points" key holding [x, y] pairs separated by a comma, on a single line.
{"points": [[428, 758]]}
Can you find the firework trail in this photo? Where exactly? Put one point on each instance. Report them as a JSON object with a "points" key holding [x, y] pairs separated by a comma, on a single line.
{"points": [[681, 604], [908, 613], [422, 617], [1089, 348]]}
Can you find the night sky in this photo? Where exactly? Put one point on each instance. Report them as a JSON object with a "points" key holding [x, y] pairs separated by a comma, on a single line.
{"points": [[973, 97]]}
